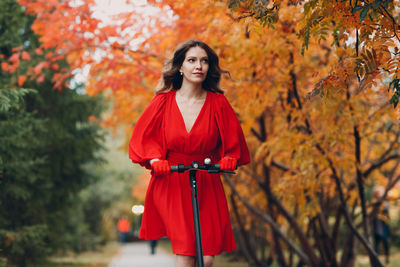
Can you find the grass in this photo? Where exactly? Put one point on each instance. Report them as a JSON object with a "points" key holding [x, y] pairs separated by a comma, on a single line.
{"points": [[98, 258], [363, 260]]}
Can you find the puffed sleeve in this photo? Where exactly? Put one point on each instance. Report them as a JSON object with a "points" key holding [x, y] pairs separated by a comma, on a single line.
{"points": [[233, 143], [148, 141]]}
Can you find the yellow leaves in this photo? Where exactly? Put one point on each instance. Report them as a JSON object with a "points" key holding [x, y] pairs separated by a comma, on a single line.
{"points": [[393, 66], [366, 63], [342, 52], [261, 152], [393, 194]]}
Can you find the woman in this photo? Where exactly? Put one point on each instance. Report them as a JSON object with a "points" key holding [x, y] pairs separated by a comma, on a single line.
{"points": [[188, 119]]}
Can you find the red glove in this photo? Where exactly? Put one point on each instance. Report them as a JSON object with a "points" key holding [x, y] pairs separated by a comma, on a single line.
{"points": [[228, 164], [160, 167]]}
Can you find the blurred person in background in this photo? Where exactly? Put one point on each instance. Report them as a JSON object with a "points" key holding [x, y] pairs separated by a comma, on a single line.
{"points": [[153, 245], [124, 225]]}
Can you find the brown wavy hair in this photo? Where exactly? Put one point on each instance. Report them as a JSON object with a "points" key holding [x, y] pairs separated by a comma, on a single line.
{"points": [[171, 78]]}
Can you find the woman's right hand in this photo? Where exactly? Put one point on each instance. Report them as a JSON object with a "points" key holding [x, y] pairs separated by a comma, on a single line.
{"points": [[160, 167], [228, 163]]}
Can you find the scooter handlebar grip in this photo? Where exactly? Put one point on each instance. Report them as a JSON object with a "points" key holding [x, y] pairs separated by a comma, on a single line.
{"points": [[174, 168], [218, 166]]}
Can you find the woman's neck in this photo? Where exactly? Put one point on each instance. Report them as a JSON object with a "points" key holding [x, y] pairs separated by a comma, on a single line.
{"points": [[190, 91]]}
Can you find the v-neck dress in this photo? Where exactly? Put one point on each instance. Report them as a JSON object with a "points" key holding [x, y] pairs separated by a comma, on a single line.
{"points": [[160, 133]]}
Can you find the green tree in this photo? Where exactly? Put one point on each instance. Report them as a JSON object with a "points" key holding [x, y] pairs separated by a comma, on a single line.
{"points": [[46, 138]]}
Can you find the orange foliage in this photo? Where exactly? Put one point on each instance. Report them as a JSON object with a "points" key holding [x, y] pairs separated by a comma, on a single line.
{"points": [[25, 56], [21, 80]]}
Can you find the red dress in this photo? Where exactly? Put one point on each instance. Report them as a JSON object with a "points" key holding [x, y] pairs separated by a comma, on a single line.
{"points": [[160, 133]]}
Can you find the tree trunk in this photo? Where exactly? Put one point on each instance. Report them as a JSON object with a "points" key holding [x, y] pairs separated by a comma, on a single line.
{"points": [[249, 251], [265, 217], [348, 256]]}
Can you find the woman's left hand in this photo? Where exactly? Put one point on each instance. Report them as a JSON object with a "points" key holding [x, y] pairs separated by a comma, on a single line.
{"points": [[160, 167], [228, 164]]}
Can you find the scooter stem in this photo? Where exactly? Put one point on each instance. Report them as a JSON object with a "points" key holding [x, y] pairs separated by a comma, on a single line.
{"points": [[196, 218]]}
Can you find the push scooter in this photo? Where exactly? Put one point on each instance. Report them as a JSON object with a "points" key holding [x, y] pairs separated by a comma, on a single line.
{"points": [[210, 168]]}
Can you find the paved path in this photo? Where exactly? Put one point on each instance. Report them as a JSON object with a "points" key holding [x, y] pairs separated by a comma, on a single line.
{"points": [[138, 255]]}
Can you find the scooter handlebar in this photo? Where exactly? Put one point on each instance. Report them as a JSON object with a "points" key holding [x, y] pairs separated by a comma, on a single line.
{"points": [[210, 168]]}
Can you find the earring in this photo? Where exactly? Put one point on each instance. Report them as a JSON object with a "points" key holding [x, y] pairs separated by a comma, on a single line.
{"points": [[181, 73]]}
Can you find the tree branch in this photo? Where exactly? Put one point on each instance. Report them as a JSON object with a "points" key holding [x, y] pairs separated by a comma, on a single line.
{"points": [[291, 219], [271, 210], [378, 203], [324, 226], [395, 26], [248, 250], [379, 163], [360, 182], [280, 166]]}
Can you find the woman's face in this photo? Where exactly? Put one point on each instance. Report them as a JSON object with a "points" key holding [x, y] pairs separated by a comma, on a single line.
{"points": [[195, 66]]}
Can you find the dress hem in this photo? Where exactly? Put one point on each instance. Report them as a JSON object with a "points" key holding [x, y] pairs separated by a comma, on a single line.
{"points": [[189, 253]]}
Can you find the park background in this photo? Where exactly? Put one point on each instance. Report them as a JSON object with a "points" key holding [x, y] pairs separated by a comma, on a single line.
{"points": [[314, 83]]}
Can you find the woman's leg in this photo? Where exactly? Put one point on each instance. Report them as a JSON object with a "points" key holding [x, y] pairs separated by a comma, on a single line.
{"points": [[185, 261], [208, 260], [190, 261]]}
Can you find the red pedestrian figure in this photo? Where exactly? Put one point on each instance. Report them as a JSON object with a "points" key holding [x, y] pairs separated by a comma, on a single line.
{"points": [[123, 226]]}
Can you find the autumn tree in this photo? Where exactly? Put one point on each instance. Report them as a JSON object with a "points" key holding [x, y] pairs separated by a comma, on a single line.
{"points": [[333, 124], [309, 81]]}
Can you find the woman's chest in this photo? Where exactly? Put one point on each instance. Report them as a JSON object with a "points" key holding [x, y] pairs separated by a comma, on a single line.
{"points": [[190, 112], [203, 134]]}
